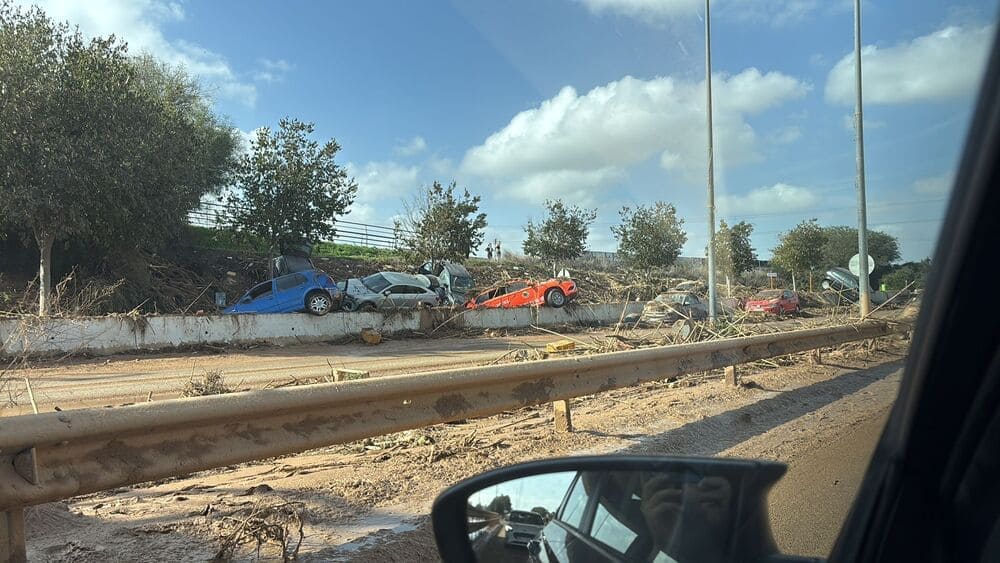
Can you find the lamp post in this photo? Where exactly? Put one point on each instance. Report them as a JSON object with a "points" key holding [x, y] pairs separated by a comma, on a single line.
{"points": [[865, 290], [711, 167]]}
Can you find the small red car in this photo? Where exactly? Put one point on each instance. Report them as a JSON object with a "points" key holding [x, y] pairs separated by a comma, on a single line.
{"points": [[773, 301], [526, 293]]}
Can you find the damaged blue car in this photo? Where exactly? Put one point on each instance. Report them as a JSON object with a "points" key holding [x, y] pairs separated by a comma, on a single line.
{"points": [[311, 291]]}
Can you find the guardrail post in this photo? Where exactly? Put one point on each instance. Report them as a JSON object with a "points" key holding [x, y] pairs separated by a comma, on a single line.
{"points": [[731, 377], [563, 418], [12, 548], [816, 357]]}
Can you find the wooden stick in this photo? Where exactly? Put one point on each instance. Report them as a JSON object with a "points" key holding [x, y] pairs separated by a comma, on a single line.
{"points": [[31, 396]]}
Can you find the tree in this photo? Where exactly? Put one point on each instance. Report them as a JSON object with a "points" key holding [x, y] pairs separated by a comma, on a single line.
{"points": [[91, 146], [734, 254], [562, 235], [842, 243], [289, 187], [650, 237], [800, 250], [437, 225], [898, 276]]}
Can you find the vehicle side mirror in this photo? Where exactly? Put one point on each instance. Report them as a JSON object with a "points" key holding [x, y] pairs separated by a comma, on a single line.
{"points": [[685, 508], [386, 293]]}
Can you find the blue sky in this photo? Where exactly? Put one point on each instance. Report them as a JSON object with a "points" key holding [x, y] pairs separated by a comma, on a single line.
{"points": [[599, 102]]}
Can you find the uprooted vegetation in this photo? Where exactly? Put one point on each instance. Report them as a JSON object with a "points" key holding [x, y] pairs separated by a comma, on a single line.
{"points": [[210, 383]]}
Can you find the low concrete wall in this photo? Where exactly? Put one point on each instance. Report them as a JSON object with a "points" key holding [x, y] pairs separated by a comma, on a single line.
{"points": [[118, 334]]}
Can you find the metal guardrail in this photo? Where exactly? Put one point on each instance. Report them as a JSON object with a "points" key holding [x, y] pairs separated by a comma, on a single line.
{"points": [[52, 456]]}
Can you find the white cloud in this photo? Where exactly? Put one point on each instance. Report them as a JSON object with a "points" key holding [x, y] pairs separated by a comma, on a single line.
{"points": [[625, 122], [247, 138], [774, 12], [787, 135], [139, 23], [272, 70], [578, 186], [935, 185], [412, 147], [380, 185], [770, 199], [942, 65]]}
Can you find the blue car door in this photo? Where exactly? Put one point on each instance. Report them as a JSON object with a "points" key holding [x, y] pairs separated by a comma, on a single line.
{"points": [[260, 299], [289, 293]]}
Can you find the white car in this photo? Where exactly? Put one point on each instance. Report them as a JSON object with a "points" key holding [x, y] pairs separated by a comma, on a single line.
{"points": [[522, 527], [388, 290]]}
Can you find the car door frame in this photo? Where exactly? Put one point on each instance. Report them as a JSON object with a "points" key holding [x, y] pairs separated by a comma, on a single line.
{"points": [[909, 500]]}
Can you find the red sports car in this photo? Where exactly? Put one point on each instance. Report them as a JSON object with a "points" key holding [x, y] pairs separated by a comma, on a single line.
{"points": [[773, 301], [526, 293]]}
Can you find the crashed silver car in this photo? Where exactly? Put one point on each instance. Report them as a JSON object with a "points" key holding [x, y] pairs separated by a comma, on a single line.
{"points": [[669, 307], [388, 290]]}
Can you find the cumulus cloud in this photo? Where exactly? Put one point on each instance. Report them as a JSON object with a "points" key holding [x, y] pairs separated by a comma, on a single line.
{"points": [[139, 23], [578, 186], [942, 65], [774, 12], [935, 185], [779, 197], [598, 134], [787, 135], [412, 147], [272, 70], [380, 185]]}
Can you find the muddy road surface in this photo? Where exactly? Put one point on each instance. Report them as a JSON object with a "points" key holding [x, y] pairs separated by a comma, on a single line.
{"points": [[369, 500]]}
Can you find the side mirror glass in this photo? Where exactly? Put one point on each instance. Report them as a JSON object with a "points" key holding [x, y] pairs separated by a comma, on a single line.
{"points": [[643, 509], [386, 293]]}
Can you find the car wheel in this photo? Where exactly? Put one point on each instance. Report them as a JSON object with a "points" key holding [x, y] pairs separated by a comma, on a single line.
{"points": [[555, 297], [318, 303], [367, 307]]}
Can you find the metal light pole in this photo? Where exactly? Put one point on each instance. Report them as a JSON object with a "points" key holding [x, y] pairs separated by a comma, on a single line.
{"points": [[865, 289], [711, 167]]}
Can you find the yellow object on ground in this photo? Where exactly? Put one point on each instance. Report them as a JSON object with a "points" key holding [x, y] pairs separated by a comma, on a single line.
{"points": [[560, 346]]}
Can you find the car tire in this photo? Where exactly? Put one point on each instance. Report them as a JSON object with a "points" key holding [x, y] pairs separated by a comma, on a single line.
{"points": [[555, 298], [318, 303], [367, 307]]}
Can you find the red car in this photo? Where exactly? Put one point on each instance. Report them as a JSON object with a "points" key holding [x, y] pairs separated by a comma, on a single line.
{"points": [[525, 293], [773, 301]]}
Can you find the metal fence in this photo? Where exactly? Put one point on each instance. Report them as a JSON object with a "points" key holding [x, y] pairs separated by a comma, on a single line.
{"points": [[216, 215]]}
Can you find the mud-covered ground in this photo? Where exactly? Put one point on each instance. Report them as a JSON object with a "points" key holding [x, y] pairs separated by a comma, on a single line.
{"points": [[369, 500]]}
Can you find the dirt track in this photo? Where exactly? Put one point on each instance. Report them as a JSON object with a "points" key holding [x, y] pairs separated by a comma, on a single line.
{"points": [[369, 500]]}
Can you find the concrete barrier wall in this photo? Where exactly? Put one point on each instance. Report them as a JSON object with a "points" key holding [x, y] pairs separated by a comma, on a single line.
{"points": [[118, 334]]}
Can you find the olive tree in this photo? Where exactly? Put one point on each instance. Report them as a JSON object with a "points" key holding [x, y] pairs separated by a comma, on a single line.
{"points": [[650, 237], [96, 144], [440, 225], [562, 234], [289, 188]]}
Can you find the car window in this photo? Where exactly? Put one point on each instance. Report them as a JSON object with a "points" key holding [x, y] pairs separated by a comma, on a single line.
{"points": [[576, 503], [375, 283], [609, 530], [516, 286], [262, 290], [288, 282]]}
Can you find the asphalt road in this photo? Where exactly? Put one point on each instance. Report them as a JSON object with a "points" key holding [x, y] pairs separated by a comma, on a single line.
{"points": [[808, 506]]}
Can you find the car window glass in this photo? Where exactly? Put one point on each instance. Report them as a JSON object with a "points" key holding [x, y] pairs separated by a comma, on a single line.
{"points": [[576, 502], [609, 530], [262, 290], [375, 283], [288, 282], [516, 286]]}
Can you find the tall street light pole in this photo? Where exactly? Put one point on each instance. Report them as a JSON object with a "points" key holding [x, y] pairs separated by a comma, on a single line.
{"points": [[711, 168], [865, 289]]}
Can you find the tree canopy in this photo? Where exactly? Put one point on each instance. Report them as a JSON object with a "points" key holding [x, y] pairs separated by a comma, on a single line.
{"points": [[438, 225], [97, 144], [809, 247], [562, 234], [650, 237], [734, 253], [289, 188]]}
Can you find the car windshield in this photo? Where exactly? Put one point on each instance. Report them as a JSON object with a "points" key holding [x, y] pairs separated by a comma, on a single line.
{"points": [[375, 283], [649, 167], [525, 518]]}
